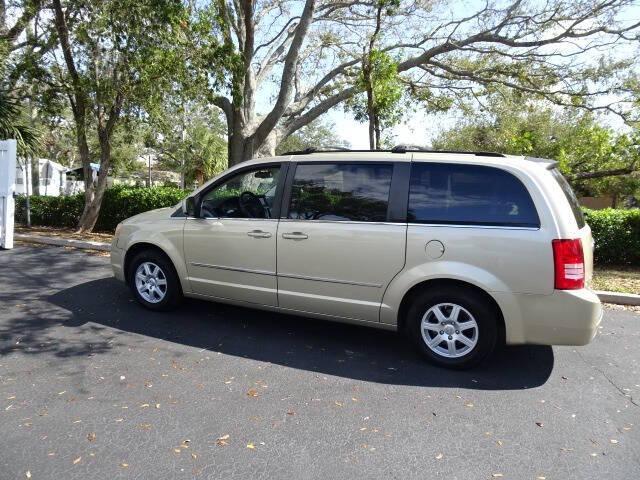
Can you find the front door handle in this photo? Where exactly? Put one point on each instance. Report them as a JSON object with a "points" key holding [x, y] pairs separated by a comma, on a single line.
{"points": [[295, 236], [259, 234]]}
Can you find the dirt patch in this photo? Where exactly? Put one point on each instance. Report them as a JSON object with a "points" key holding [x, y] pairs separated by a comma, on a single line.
{"points": [[65, 233]]}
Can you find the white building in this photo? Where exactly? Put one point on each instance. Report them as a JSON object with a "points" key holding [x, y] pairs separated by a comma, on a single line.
{"points": [[52, 175]]}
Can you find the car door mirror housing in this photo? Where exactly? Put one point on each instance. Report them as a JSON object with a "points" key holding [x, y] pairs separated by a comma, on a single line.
{"points": [[190, 207]]}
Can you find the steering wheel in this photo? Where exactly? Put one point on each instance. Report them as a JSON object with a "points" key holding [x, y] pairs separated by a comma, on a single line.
{"points": [[250, 205]]}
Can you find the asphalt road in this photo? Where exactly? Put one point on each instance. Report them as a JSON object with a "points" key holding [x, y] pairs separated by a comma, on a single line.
{"points": [[92, 386]]}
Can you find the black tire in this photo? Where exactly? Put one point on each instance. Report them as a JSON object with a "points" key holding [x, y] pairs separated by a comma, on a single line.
{"points": [[483, 313], [172, 295]]}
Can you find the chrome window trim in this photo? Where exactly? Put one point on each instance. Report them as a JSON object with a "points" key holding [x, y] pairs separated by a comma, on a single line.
{"points": [[348, 222], [235, 219], [488, 227]]}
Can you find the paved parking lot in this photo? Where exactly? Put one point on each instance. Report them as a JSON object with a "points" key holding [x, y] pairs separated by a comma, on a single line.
{"points": [[92, 386]]}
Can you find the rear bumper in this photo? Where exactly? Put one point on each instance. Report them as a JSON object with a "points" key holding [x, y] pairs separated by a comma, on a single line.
{"points": [[566, 317], [117, 261]]}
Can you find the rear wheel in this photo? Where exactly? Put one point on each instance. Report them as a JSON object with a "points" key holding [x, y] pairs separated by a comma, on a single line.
{"points": [[452, 327], [153, 281]]}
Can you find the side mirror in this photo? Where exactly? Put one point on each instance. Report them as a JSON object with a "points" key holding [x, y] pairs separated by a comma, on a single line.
{"points": [[190, 207]]}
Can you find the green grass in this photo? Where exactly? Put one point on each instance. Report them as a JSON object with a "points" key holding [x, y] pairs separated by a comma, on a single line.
{"points": [[617, 279]]}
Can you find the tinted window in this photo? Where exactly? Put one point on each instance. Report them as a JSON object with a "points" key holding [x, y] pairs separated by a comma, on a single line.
{"points": [[468, 194], [249, 194], [571, 197], [341, 191]]}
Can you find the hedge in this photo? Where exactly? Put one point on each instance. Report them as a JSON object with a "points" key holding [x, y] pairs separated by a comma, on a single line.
{"points": [[119, 202], [616, 232], [617, 235]]}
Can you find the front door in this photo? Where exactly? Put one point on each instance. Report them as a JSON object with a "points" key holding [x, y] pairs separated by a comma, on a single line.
{"points": [[231, 248], [337, 251]]}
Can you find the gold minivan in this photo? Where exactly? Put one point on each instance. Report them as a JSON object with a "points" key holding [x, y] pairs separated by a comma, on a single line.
{"points": [[460, 251]]}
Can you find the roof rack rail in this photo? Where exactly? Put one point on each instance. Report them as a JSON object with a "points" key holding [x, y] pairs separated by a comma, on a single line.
{"points": [[396, 149], [328, 148], [418, 148], [410, 148]]}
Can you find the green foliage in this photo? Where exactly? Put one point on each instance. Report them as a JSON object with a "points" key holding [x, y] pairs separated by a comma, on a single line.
{"points": [[515, 125], [386, 88], [13, 125], [616, 234], [192, 140], [51, 211], [118, 204]]}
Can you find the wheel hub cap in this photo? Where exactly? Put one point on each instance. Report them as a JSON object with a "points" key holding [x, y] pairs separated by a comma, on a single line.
{"points": [[449, 330], [151, 282]]}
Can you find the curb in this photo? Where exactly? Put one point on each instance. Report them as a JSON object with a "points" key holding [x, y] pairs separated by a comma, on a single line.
{"points": [[63, 242], [606, 297], [618, 298]]}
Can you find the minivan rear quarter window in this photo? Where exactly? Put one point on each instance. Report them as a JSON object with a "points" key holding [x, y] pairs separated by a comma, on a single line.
{"points": [[454, 194], [571, 197], [341, 192]]}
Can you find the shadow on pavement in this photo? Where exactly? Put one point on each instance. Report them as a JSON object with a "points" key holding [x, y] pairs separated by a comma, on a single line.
{"points": [[328, 348]]}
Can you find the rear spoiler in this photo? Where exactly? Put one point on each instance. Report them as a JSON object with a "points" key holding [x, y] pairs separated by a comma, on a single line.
{"points": [[550, 164]]}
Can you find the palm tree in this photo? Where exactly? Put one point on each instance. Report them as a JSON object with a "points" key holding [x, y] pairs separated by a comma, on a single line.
{"points": [[13, 125]]}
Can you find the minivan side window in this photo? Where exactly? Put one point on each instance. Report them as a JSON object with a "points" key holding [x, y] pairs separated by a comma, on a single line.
{"points": [[341, 192], [571, 197], [248, 194], [454, 194]]}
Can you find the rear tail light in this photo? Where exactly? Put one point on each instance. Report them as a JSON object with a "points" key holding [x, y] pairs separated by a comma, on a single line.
{"points": [[568, 260]]}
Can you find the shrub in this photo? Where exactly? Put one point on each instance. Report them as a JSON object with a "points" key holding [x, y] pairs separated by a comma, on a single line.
{"points": [[617, 235], [51, 211], [119, 202], [123, 202]]}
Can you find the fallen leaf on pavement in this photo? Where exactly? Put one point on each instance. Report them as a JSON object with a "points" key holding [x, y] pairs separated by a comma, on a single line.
{"points": [[28, 474], [91, 436], [77, 460], [540, 424], [252, 392], [124, 465], [614, 441], [222, 440], [251, 446], [439, 456]]}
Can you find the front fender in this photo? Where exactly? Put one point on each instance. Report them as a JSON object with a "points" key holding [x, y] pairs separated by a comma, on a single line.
{"points": [[169, 241]]}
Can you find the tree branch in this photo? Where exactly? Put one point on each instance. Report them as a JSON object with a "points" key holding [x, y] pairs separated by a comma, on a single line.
{"points": [[286, 84]]}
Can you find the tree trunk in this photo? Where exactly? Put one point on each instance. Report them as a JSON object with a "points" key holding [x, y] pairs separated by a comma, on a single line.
{"points": [[94, 192], [35, 176], [376, 122]]}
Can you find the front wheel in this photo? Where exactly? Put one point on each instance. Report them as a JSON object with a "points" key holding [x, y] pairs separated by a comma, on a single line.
{"points": [[453, 328], [154, 282]]}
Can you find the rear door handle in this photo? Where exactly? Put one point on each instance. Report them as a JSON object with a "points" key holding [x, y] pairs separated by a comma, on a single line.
{"points": [[295, 236], [259, 234]]}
